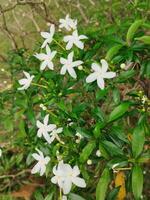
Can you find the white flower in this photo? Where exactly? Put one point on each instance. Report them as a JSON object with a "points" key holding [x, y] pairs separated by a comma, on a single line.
{"points": [[68, 65], [0, 152], [54, 135], [64, 197], [74, 39], [42, 162], [65, 176], [48, 36], [68, 23], [46, 58], [25, 82], [100, 72], [98, 153], [45, 128]]}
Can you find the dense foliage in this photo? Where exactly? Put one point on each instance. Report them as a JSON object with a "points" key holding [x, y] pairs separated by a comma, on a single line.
{"points": [[105, 131]]}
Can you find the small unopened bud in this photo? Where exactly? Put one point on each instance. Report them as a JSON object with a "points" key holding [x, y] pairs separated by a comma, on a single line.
{"points": [[80, 67], [98, 153], [123, 66], [89, 162]]}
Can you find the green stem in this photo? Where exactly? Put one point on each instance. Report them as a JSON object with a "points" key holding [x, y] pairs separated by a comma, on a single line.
{"points": [[36, 84], [59, 44], [60, 194]]}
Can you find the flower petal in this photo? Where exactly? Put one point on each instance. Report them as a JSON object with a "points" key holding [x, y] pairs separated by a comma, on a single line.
{"points": [[63, 70], [72, 72], [104, 65], [80, 182], [109, 75], [92, 77], [46, 118], [100, 82]]}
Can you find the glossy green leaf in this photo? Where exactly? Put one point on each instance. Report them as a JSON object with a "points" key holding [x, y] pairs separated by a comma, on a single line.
{"points": [[101, 189], [73, 196], [138, 140], [137, 182], [86, 152], [113, 51], [119, 111]]}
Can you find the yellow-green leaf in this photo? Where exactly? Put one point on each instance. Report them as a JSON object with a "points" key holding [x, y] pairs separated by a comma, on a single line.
{"points": [[145, 39], [132, 30]]}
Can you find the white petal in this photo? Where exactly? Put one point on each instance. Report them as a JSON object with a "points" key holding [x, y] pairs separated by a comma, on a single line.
{"points": [[104, 65], [50, 65], [59, 130], [40, 56], [63, 60], [96, 67], [48, 50], [69, 45], [45, 34], [46, 118], [44, 43], [53, 54], [70, 56], [83, 37], [76, 63], [109, 75], [51, 127], [100, 82], [52, 30], [72, 72], [79, 44], [63, 70], [39, 133], [92, 77], [35, 169], [42, 170], [22, 81], [47, 159], [76, 171], [47, 137], [27, 74], [67, 186], [54, 179], [35, 156], [80, 182], [67, 38], [43, 65], [39, 124]]}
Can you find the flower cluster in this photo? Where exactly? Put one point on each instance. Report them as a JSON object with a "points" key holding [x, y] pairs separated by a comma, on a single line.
{"points": [[64, 174]]}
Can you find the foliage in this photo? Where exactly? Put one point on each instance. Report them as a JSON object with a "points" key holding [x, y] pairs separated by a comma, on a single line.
{"points": [[113, 120]]}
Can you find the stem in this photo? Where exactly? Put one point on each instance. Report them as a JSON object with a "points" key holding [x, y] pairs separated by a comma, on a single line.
{"points": [[42, 86], [60, 194], [59, 44], [124, 168]]}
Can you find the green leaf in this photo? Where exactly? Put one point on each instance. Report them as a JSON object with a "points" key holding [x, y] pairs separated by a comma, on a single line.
{"points": [[49, 196], [73, 196], [145, 39], [113, 51], [124, 76], [111, 148], [86, 152], [138, 140], [119, 111], [102, 186], [132, 30], [113, 194], [137, 182]]}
